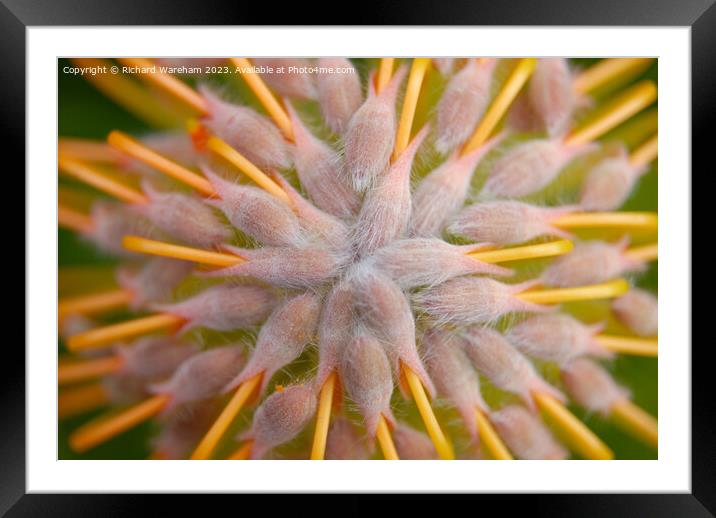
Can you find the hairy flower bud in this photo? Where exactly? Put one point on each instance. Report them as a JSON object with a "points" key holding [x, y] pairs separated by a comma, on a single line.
{"points": [[251, 134], [282, 339], [493, 356], [370, 136], [281, 418], [339, 92], [428, 262], [557, 337], [507, 222], [474, 300], [224, 307], [463, 103], [591, 386], [526, 436], [639, 311], [590, 262]]}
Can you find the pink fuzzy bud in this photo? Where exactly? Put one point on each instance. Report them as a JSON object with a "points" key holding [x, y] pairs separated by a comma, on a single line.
{"points": [[442, 192], [257, 213], [370, 136], [557, 337], [529, 167], [281, 418], [493, 356], [124, 388], [282, 339], [608, 185], [183, 429], [111, 222], [285, 267], [344, 442], [463, 103], [474, 300], [155, 358], [551, 94], [319, 170], [224, 307], [383, 307], [289, 77], [339, 92], [639, 311], [444, 65], [590, 262], [175, 145], [454, 377], [202, 376], [155, 281], [591, 386], [386, 209], [507, 222], [365, 373], [526, 435], [427, 262], [314, 221], [412, 444], [335, 330], [187, 218], [251, 134]]}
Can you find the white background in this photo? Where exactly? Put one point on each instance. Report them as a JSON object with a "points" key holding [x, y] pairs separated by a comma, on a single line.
{"points": [[672, 470]]}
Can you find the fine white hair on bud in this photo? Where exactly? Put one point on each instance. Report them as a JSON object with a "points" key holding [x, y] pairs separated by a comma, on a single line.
{"points": [[591, 386], [365, 373], [281, 417], [385, 310], [638, 310], [282, 339], [155, 281], [558, 337], [386, 209], [428, 261], [257, 213], [507, 222], [443, 191], [344, 442], [284, 266], [608, 184], [319, 170], [289, 77], [111, 222], [590, 262], [339, 92], [223, 307], [155, 358], [463, 103], [186, 218], [412, 444], [529, 167], [251, 134], [453, 375], [444, 65], [474, 300], [551, 94], [370, 136], [335, 329], [494, 357], [526, 435], [202, 376]]}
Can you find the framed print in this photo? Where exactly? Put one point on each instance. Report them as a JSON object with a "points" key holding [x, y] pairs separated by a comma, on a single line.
{"points": [[284, 244]]}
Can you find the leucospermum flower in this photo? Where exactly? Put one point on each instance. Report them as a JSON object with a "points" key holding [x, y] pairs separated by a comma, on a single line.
{"points": [[342, 259]]}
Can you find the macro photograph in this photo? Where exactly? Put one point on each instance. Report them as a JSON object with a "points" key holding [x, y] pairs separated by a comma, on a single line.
{"points": [[357, 258]]}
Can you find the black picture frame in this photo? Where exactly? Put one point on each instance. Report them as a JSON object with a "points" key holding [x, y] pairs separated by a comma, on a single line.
{"points": [[17, 15]]}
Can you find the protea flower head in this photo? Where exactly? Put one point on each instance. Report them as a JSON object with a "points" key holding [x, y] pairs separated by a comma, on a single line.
{"points": [[354, 258]]}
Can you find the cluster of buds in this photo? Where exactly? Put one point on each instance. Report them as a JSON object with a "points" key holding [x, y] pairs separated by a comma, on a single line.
{"points": [[360, 263]]}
